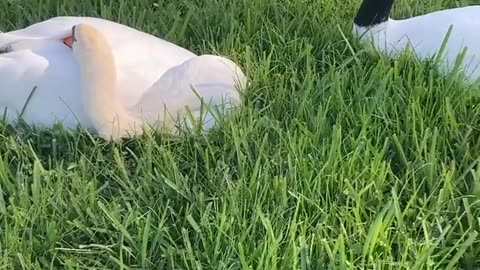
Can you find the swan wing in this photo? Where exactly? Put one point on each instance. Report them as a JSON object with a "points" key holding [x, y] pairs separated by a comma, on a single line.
{"points": [[203, 79], [53, 73]]}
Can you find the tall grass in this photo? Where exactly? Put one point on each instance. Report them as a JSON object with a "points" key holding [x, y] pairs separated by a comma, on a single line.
{"points": [[340, 158]]}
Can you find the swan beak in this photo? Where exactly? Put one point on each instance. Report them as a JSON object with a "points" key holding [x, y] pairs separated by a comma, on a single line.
{"points": [[70, 39]]}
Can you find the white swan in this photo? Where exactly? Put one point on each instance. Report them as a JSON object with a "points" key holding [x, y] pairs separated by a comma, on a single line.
{"points": [[424, 34], [40, 56], [202, 83]]}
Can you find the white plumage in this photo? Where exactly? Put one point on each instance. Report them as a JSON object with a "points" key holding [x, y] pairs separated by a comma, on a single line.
{"points": [[36, 56], [425, 34]]}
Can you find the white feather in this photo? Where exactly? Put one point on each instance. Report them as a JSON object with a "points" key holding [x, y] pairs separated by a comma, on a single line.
{"points": [[425, 34]]}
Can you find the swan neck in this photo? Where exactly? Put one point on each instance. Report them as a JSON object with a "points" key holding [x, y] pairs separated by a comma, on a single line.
{"points": [[99, 79]]}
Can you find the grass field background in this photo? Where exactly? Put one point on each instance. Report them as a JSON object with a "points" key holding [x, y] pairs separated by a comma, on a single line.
{"points": [[340, 159]]}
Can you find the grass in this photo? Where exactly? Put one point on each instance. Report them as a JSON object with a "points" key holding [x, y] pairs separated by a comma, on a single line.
{"points": [[340, 159]]}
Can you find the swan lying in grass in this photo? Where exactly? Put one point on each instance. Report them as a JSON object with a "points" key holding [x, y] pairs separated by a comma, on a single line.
{"points": [[40, 77], [201, 82], [456, 29]]}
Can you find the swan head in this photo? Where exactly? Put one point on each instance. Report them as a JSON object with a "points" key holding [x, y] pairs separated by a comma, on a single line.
{"points": [[87, 39], [94, 56]]}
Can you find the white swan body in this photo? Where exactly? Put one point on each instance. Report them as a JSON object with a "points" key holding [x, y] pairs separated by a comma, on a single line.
{"points": [[36, 56], [202, 83], [424, 34]]}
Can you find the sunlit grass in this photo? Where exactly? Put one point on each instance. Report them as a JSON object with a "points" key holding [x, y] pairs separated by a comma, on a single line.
{"points": [[340, 158]]}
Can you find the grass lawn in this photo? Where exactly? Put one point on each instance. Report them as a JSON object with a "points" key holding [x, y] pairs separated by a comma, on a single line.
{"points": [[340, 159]]}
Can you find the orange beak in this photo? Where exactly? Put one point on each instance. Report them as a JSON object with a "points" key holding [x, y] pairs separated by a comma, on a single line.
{"points": [[68, 41]]}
